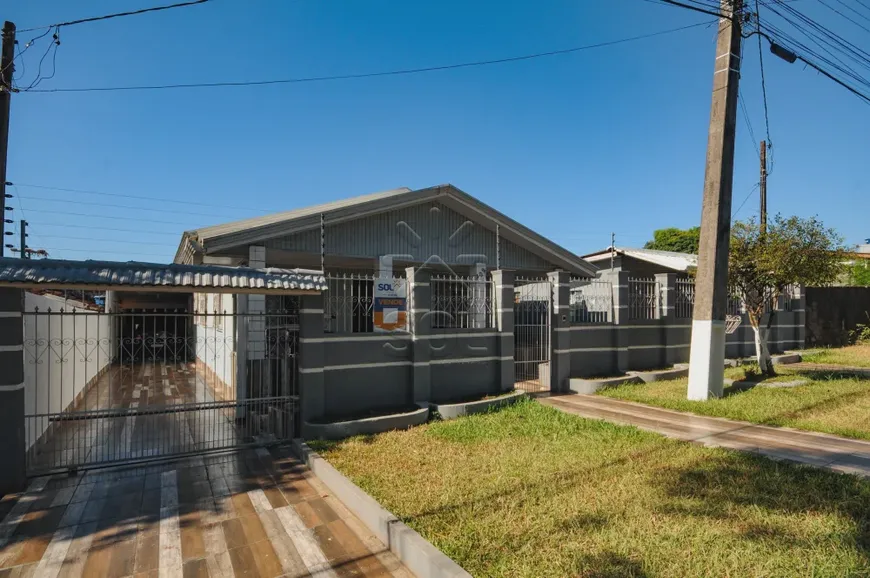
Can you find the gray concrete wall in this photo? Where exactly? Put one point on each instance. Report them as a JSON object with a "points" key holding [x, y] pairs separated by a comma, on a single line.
{"points": [[12, 440], [366, 373], [653, 344]]}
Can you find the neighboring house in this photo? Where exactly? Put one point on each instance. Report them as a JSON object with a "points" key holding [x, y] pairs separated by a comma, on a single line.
{"points": [[643, 262], [440, 227]]}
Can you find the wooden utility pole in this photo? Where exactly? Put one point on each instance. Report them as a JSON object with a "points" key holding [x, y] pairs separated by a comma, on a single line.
{"points": [[7, 69], [707, 357], [763, 187]]}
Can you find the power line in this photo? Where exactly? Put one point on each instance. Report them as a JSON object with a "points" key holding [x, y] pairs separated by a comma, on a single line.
{"points": [[737, 212], [697, 7], [160, 210], [355, 76], [748, 124], [763, 83], [102, 251], [164, 244], [142, 197], [92, 227], [849, 18], [137, 219], [118, 15]]}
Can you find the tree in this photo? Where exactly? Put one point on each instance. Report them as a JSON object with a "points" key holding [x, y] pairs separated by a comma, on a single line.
{"points": [[792, 251], [859, 273], [677, 240]]}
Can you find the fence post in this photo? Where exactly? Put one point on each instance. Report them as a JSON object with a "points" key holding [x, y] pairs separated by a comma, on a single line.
{"points": [[560, 331], [619, 281], [667, 301], [800, 308], [503, 308], [420, 327], [12, 428], [312, 380]]}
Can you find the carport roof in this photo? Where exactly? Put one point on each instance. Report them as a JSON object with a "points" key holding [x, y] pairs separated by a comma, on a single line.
{"points": [[113, 275]]}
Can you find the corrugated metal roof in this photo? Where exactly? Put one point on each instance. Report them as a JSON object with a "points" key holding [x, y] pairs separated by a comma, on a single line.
{"points": [[669, 259], [131, 274], [255, 222]]}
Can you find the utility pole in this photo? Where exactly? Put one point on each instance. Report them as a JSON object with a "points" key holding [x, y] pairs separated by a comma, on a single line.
{"points": [[763, 187], [24, 254], [612, 249], [7, 69], [707, 357]]}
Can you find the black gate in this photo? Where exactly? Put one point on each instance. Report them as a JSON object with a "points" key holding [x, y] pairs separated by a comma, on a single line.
{"points": [[532, 311]]}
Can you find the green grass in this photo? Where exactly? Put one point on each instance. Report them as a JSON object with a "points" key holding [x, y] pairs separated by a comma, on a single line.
{"points": [[827, 403], [530, 491], [852, 356]]}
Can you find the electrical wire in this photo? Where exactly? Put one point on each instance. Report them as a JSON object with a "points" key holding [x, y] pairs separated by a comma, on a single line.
{"points": [[165, 244], [144, 198], [157, 210], [106, 252], [737, 212], [92, 227], [118, 15], [39, 78], [763, 84], [114, 217], [849, 18], [398, 72], [748, 123], [697, 7]]}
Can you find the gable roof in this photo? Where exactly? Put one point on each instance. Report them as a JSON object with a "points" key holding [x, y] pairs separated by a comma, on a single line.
{"points": [[669, 259], [258, 229]]}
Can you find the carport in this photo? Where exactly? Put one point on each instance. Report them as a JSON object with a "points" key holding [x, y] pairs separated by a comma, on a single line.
{"points": [[85, 388]]}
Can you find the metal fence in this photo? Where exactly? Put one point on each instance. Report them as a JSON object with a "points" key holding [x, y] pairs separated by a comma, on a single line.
{"points": [[532, 317], [643, 296], [461, 302], [735, 305], [105, 388], [349, 301], [591, 300], [684, 299]]}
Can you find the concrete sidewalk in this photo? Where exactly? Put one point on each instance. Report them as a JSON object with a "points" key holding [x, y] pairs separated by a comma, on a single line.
{"points": [[822, 450]]}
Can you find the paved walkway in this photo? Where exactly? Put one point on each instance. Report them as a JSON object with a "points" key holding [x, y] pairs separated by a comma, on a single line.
{"points": [[828, 451], [252, 513]]}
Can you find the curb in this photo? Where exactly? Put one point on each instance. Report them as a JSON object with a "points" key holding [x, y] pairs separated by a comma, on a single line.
{"points": [[454, 410], [590, 386], [365, 426], [418, 555]]}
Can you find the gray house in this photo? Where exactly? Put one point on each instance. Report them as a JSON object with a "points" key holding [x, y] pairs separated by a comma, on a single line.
{"points": [[642, 262], [440, 227]]}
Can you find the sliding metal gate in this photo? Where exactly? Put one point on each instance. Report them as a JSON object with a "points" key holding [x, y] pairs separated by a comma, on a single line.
{"points": [[108, 388], [532, 311]]}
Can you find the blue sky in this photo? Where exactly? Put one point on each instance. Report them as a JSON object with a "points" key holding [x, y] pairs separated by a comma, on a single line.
{"points": [[574, 146]]}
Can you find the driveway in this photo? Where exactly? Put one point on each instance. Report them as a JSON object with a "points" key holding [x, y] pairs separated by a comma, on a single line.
{"points": [[257, 513]]}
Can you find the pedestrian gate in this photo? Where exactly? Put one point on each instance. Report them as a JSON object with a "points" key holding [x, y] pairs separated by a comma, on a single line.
{"points": [[532, 313], [111, 388]]}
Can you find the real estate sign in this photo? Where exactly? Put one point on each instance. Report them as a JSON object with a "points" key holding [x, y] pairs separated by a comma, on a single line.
{"points": [[391, 305]]}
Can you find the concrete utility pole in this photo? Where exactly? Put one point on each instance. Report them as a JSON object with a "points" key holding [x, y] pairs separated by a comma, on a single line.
{"points": [[763, 187], [707, 357], [7, 69]]}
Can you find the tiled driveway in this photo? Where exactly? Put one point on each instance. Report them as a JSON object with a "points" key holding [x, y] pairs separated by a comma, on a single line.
{"points": [[254, 513]]}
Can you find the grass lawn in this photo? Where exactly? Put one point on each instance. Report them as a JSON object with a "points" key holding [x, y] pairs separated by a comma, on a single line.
{"points": [[827, 403], [530, 491], [852, 356]]}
